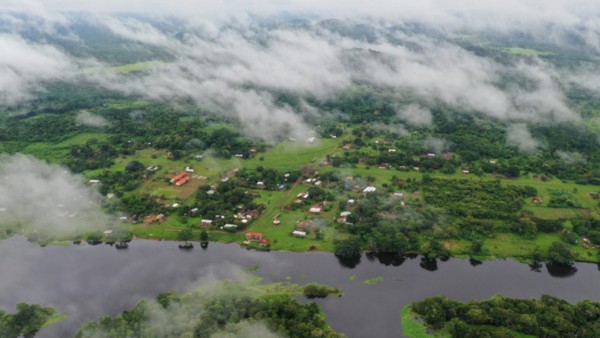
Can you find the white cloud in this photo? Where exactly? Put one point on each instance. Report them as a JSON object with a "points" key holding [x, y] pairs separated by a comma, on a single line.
{"points": [[48, 198], [25, 65], [518, 135], [85, 118]]}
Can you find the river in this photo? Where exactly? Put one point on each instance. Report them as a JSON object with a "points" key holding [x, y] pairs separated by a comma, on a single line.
{"points": [[89, 281]]}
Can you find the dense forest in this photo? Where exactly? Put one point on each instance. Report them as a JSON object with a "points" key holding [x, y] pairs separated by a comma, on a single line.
{"points": [[509, 317]]}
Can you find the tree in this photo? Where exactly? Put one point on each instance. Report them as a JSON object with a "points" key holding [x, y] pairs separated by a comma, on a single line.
{"points": [[560, 253], [348, 248], [185, 235], [203, 236], [134, 166]]}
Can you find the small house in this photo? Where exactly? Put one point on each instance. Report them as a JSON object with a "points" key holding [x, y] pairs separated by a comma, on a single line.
{"points": [[206, 222], [299, 233], [343, 218], [315, 209], [264, 242], [254, 236], [369, 189], [230, 226], [178, 177]]}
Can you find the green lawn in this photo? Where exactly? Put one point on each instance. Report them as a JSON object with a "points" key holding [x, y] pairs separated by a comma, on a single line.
{"points": [[525, 51], [58, 152], [131, 67], [412, 328]]}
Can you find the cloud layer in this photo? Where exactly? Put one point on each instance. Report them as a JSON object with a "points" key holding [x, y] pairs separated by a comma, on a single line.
{"points": [[237, 63]]}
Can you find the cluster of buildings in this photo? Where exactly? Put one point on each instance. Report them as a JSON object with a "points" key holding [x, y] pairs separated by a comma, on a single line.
{"points": [[180, 179], [256, 237]]}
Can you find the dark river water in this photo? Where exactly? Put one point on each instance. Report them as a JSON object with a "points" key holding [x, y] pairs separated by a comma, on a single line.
{"points": [[89, 281]]}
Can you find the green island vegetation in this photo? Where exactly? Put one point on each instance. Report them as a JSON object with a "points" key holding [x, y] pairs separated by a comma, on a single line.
{"points": [[501, 317], [230, 308], [27, 321]]}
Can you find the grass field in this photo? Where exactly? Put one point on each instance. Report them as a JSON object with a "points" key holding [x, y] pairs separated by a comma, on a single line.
{"points": [[412, 328], [58, 152], [525, 51], [132, 67]]}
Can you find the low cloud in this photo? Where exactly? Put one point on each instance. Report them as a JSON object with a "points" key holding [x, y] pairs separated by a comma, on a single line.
{"points": [[25, 65], [46, 198], [518, 135], [415, 115], [571, 157], [85, 118], [436, 144]]}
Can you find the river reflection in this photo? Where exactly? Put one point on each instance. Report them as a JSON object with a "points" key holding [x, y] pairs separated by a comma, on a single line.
{"points": [[88, 281]]}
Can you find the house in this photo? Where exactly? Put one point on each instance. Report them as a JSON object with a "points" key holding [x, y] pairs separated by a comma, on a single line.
{"points": [[189, 170], [252, 149], [206, 222], [347, 147], [536, 200], [383, 165], [465, 171], [369, 189], [391, 151], [178, 177], [260, 184], [398, 194], [299, 233], [311, 139], [239, 155], [182, 181], [303, 195], [94, 181], [264, 242], [315, 209], [230, 226], [343, 216], [430, 155], [254, 236], [276, 221], [304, 225]]}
